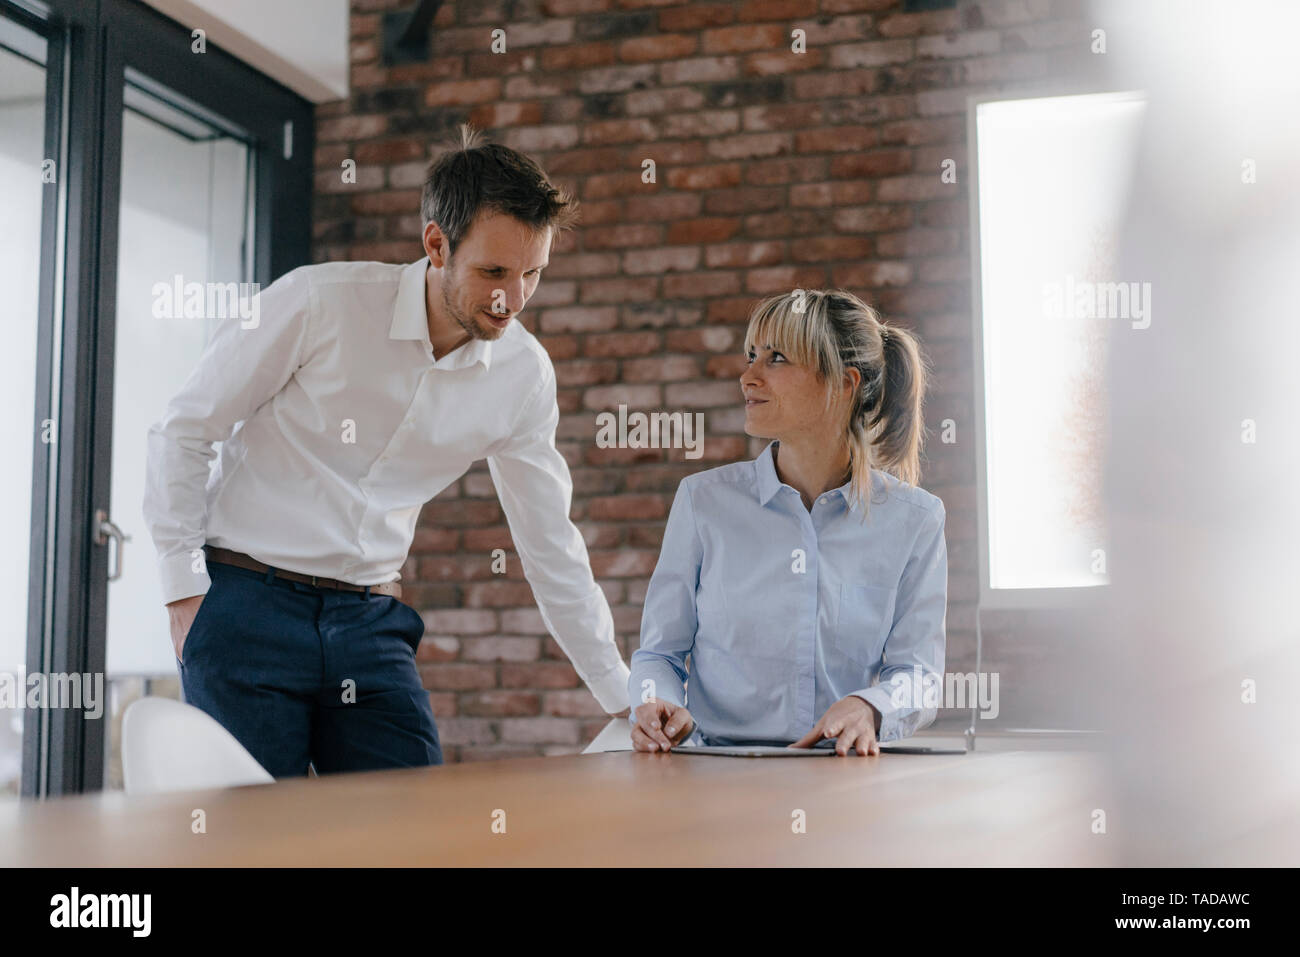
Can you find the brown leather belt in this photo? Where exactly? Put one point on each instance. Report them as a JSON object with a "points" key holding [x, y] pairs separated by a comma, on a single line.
{"points": [[226, 556]]}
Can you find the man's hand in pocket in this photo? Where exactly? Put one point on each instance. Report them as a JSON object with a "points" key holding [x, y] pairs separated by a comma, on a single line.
{"points": [[181, 614]]}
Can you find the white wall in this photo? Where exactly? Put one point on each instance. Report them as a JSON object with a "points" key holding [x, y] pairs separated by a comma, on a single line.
{"points": [[301, 43]]}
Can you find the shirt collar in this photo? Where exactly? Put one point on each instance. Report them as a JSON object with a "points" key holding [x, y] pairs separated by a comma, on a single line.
{"points": [[769, 483], [410, 321]]}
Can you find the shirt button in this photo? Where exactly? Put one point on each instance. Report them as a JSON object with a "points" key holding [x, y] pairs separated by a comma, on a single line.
{"points": [[822, 500]]}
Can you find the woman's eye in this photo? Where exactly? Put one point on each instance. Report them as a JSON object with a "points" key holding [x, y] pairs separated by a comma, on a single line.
{"points": [[776, 356]]}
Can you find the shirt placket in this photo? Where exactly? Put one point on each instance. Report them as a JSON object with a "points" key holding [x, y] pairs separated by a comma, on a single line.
{"points": [[806, 678], [375, 509]]}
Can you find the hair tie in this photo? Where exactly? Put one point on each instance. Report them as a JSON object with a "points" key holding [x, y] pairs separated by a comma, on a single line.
{"points": [[884, 333]]}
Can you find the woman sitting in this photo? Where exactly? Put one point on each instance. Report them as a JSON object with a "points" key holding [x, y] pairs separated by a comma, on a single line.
{"points": [[797, 580]]}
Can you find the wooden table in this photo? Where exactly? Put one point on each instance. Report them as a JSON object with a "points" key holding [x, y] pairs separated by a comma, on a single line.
{"points": [[1012, 802]]}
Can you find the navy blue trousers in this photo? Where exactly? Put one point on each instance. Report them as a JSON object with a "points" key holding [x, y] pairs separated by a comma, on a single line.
{"points": [[301, 674]]}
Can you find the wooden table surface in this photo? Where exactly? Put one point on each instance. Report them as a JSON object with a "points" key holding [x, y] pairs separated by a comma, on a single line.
{"points": [[1009, 803]]}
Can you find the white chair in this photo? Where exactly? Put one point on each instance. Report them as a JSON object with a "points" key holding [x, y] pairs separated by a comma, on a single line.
{"points": [[171, 746], [615, 736]]}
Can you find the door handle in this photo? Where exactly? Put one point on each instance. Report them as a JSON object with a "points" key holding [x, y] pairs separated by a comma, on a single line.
{"points": [[104, 530]]}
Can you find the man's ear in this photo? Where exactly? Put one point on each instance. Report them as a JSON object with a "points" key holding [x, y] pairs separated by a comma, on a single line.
{"points": [[435, 245]]}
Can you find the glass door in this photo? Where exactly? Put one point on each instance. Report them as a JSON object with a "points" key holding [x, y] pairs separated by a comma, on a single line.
{"points": [[25, 176], [185, 221]]}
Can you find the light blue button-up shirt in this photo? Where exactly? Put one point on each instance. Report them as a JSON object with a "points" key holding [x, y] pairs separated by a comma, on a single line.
{"points": [[785, 611]]}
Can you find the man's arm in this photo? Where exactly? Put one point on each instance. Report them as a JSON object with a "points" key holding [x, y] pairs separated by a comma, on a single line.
{"points": [[668, 617], [533, 483], [240, 369], [916, 639]]}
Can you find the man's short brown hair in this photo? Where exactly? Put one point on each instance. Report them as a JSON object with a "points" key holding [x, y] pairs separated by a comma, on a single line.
{"points": [[469, 178]]}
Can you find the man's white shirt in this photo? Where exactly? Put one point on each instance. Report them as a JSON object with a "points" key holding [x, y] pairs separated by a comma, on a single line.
{"points": [[344, 425]]}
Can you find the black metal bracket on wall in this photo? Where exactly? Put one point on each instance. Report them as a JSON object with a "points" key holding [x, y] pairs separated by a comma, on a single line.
{"points": [[406, 33]]}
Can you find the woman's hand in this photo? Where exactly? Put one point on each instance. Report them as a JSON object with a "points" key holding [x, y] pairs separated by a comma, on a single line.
{"points": [[676, 723], [852, 721]]}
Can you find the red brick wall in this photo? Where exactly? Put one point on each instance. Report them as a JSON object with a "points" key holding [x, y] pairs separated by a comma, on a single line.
{"points": [[775, 170]]}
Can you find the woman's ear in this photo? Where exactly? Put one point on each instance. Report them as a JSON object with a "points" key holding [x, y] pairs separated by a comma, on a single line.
{"points": [[852, 380]]}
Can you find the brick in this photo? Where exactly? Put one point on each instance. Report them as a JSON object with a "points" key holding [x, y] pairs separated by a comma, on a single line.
{"points": [[699, 70], [871, 219], [877, 273], [697, 396], [744, 254], [539, 730], [460, 621], [544, 675], [720, 176], [668, 206], [460, 92], [651, 315], [522, 621], [966, 44], [665, 46], [741, 39], [431, 539], [726, 367], [873, 164], [501, 703], [750, 145], [465, 731], [481, 541], [816, 249], [604, 132], [665, 369], [454, 676], [579, 703], [696, 284], [706, 230], [747, 200], [630, 234], [623, 564], [579, 319], [710, 339], [851, 56], [586, 372], [496, 594], [696, 16], [775, 9], [620, 290], [621, 344], [618, 507], [439, 648]]}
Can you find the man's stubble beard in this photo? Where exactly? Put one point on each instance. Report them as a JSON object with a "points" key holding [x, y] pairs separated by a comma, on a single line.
{"points": [[469, 325]]}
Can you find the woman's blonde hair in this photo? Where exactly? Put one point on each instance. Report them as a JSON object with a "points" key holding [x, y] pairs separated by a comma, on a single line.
{"points": [[831, 331]]}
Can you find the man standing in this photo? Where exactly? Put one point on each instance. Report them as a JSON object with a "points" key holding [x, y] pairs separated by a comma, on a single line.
{"points": [[362, 391]]}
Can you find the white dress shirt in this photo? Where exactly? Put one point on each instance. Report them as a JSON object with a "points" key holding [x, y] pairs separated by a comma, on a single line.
{"points": [[344, 425]]}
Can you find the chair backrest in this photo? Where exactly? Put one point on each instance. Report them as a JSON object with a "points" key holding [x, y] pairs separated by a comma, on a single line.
{"points": [[171, 746], [615, 736]]}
